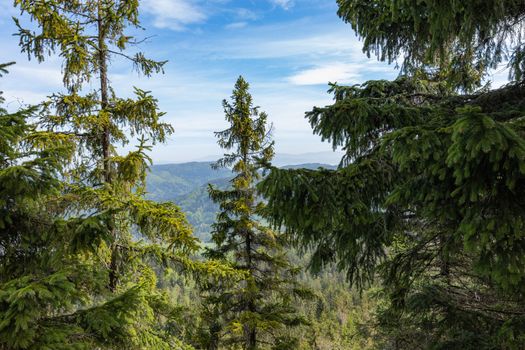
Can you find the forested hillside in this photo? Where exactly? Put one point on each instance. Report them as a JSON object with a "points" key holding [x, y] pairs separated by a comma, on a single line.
{"points": [[169, 181], [187, 185]]}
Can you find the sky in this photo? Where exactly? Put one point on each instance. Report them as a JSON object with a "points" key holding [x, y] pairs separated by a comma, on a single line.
{"points": [[288, 50]]}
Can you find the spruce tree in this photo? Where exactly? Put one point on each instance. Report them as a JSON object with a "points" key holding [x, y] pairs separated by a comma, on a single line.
{"points": [[428, 199], [255, 312], [454, 41], [109, 237], [51, 283], [31, 281]]}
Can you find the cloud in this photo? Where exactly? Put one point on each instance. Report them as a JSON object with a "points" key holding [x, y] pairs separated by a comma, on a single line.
{"points": [[285, 4], [48, 75], [236, 25], [304, 38], [269, 45], [245, 14], [329, 72], [499, 77], [30, 83], [174, 14], [287, 59]]}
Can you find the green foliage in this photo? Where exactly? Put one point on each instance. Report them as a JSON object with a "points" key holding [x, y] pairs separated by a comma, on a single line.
{"points": [[82, 250], [463, 39], [255, 310], [429, 199], [429, 196], [339, 317]]}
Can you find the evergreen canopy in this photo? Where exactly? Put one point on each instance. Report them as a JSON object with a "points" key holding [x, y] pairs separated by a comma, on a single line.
{"points": [[462, 39], [429, 197], [81, 250], [255, 311]]}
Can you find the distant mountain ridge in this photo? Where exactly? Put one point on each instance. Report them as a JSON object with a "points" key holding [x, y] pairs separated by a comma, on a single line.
{"points": [[168, 181], [326, 159], [186, 184], [285, 159]]}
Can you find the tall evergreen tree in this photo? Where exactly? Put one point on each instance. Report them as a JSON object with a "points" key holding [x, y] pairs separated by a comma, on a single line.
{"points": [[255, 311], [31, 281], [51, 282], [108, 237], [429, 195]]}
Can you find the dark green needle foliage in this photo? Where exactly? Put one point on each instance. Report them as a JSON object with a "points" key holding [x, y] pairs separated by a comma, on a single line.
{"points": [[255, 312], [458, 40], [81, 257], [429, 199]]}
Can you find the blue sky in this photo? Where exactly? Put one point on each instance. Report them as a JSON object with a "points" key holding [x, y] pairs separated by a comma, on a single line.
{"points": [[287, 49]]}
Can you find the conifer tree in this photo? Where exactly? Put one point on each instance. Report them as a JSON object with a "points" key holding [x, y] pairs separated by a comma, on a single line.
{"points": [[111, 238], [456, 42], [28, 284], [48, 274], [254, 312], [428, 199]]}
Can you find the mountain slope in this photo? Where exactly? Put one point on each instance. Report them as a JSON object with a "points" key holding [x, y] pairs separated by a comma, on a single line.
{"points": [[186, 184], [168, 181]]}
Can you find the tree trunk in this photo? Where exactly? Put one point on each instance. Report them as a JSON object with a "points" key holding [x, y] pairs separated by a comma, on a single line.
{"points": [[250, 332], [251, 338], [214, 330], [105, 137], [103, 75]]}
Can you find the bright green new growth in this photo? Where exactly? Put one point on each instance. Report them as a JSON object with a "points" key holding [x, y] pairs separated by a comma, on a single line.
{"points": [[47, 279], [28, 283], [255, 311], [429, 198]]}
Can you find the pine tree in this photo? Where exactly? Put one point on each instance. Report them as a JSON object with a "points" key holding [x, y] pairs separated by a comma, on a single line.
{"points": [[254, 312], [428, 199], [99, 271]]}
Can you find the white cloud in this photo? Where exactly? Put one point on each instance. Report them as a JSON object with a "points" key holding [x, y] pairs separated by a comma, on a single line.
{"points": [[329, 72], [18, 98], [285, 4], [245, 14], [499, 77], [48, 75], [174, 14], [236, 25], [30, 83], [300, 53], [302, 38]]}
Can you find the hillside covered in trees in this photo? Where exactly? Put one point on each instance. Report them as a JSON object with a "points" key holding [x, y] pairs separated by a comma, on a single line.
{"points": [[187, 185], [415, 240]]}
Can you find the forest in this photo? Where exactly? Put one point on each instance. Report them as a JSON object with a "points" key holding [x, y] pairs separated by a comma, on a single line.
{"points": [[415, 240]]}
